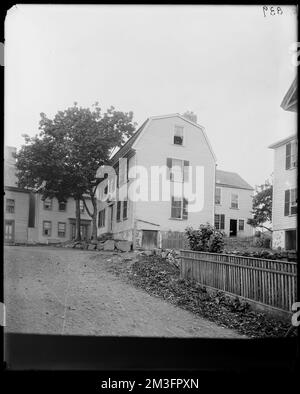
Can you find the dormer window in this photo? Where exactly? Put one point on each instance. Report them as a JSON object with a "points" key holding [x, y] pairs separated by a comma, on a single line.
{"points": [[178, 135], [291, 155]]}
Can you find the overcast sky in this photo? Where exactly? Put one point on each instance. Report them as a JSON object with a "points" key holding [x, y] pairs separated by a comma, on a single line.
{"points": [[231, 65]]}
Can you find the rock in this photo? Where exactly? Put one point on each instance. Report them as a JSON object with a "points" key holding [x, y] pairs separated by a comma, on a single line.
{"points": [[100, 245], [78, 246], [91, 247], [148, 253], [157, 251], [124, 246], [109, 245]]}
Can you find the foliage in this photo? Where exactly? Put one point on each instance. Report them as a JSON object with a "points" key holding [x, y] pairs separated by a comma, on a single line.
{"points": [[263, 241], [161, 279], [205, 239], [262, 207], [62, 160]]}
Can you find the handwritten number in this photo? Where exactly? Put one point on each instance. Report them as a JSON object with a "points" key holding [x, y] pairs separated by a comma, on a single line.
{"points": [[279, 11], [265, 9], [272, 11]]}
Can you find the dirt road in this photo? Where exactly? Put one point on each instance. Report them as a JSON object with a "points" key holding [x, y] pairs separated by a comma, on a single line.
{"points": [[64, 291]]}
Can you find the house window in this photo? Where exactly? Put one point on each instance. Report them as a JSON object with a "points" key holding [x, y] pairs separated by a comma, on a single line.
{"points": [[118, 211], [241, 225], [10, 205], [178, 135], [220, 222], [125, 206], [291, 155], [47, 228], [179, 208], [234, 200], [101, 218], [48, 204], [62, 206], [218, 196], [290, 202], [178, 170], [61, 229], [81, 206]]}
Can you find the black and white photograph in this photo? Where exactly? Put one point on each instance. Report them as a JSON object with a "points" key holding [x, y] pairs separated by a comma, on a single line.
{"points": [[150, 175]]}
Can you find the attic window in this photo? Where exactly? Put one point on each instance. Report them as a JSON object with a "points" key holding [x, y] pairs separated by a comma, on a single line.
{"points": [[178, 135]]}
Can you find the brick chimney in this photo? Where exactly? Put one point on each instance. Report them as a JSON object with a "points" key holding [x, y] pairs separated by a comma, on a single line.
{"points": [[190, 116]]}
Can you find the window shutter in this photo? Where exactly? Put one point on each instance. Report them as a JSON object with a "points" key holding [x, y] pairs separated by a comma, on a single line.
{"points": [[288, 156], [184, 210], [287, 203], [222, 227], [186, 171], [169, 165], [172, 208]]}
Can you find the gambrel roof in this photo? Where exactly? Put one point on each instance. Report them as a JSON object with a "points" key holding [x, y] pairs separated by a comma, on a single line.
{"points": [[128, 146]]}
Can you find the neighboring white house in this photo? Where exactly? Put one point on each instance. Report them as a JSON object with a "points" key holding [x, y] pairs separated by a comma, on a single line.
{"points": [[284, 205], [174, 142], [233, 204]]}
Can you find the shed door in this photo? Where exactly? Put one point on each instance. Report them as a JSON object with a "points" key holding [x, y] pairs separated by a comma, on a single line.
{"points": [[9, 231], [149, 240]]}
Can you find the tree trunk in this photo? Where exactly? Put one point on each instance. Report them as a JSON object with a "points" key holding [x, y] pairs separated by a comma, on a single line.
{"points": [[94, 219], [78, 235]]}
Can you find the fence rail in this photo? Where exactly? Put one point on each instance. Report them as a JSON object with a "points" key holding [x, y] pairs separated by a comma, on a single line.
{"points": [[270, 282]]}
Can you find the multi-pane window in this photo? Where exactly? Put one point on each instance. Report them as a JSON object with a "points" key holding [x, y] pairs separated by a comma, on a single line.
{"points": [[118, 211], [125, 209], [81, 206], [10, 205], [290, 202], [241, 225], [291, 155], [47, 228], [220, 222], [101, 218], [179, 208], [62, 206], [48, 204], [178, 135], [61, 229], [218, 196], [178, 170], [234, 200]]}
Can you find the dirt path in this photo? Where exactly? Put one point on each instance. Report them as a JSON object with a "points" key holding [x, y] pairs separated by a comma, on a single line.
{"points": [[65, 291]]}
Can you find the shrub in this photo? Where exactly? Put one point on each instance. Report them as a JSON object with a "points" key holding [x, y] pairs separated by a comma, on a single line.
{"points": [[263, 241], [205, 239]]}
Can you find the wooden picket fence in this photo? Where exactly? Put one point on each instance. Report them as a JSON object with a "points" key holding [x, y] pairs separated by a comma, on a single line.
{"points": [[270, 282], [173, 240]]}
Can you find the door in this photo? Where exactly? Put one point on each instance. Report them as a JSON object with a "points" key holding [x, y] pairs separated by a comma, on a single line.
{"points": [[9, 231], [149, 239], [233, 228], [290, 240]]}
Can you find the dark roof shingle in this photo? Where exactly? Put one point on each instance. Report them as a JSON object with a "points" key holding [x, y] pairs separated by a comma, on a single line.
{"points": [[232, 179], [128, 145]]}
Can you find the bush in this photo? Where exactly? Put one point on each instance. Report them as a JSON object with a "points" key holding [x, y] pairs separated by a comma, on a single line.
{"points": [[263, 241], [205, 239]]}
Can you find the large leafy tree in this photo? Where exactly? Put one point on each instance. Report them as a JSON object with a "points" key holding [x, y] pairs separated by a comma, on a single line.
{"points": [[262, 206], [62, 160]]}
